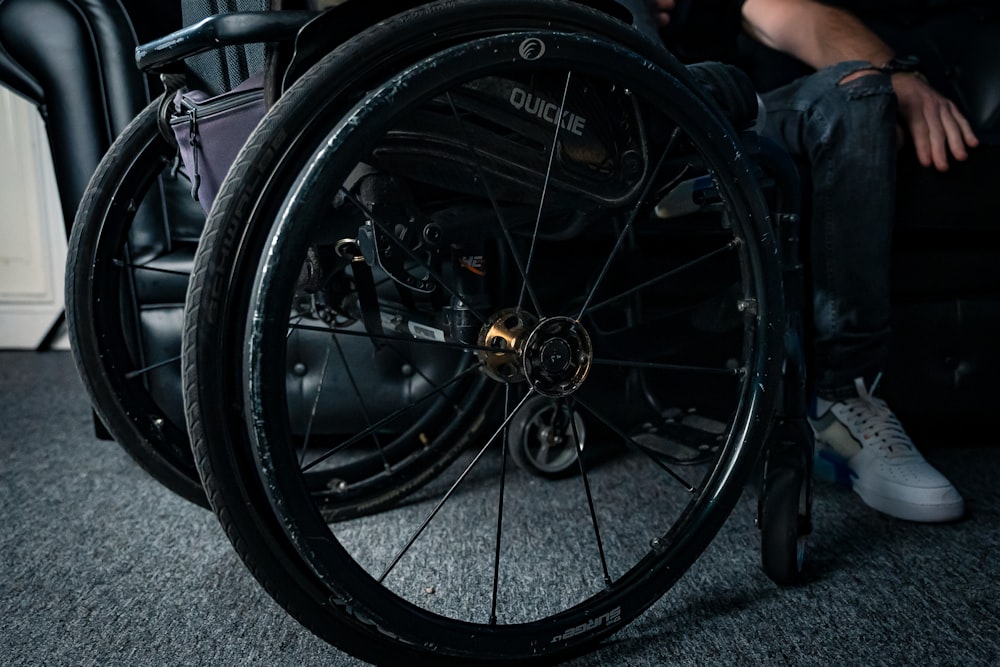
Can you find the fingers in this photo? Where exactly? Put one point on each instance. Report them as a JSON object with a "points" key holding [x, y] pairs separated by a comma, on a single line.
{"points": [[953, 136], [965, 135], [921, 141], [662, 10], [948, 133], [939, 130]]}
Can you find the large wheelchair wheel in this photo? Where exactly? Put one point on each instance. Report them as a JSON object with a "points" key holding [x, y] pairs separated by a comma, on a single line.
{"points": [[120, 255], [265, 171], [129, 261], [484, 218]]}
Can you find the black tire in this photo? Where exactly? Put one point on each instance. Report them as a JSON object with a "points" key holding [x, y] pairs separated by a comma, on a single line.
{"points": [[132, 380], [542, 440], [782, 525], [247, 275]]}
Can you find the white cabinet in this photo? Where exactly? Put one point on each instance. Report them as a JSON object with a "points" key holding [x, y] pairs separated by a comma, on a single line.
{"points": [[32, 235]]}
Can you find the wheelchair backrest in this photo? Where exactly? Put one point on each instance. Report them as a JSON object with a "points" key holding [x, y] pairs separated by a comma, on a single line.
{"points": [[223, 69]]}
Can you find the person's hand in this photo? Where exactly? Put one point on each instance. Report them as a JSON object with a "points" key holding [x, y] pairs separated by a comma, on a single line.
{"points": [[662, 10], [933, 121]]}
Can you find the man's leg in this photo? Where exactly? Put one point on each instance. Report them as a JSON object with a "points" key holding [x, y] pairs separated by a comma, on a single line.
{"points": [[845, 132], [841, 122]]}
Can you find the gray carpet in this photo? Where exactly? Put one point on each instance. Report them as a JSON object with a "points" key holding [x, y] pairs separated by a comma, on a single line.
{"points": [[102, 566]]}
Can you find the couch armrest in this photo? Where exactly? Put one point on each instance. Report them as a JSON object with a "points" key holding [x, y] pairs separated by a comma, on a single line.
{"points": [[74, 58]]}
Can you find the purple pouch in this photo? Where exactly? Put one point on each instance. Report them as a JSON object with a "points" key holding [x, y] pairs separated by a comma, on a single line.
{"points": [[211, 130]]}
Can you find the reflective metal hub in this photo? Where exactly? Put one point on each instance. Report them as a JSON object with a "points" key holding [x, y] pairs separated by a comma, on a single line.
{"points": [[557, 356], [505, 332], [553, 354]]}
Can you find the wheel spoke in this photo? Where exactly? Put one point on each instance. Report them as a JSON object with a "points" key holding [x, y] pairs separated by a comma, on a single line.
{"points": [[293, 325], [501, 220], [663, 276], [404, 357], [590, 498], [682, 368], [630, 441], [448, 494], [633, 214], [125, 264], [387, 419], [361, 402], [500, 497], [315, 405], [454, 345], [423, 375], [131, 375], [545, 188]]}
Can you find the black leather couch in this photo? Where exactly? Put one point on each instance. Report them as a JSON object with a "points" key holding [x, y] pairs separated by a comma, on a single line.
{"points": [[73, 58], [946, 270]]}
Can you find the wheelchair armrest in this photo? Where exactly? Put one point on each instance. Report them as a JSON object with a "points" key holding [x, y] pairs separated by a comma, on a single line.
{"points": [[217, 31]]}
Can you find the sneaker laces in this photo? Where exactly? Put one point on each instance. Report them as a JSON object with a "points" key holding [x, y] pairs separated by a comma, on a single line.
{"points": [[871, 420]]}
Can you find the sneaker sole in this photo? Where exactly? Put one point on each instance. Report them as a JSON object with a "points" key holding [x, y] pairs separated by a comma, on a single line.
{"points": [[831, 467], [938, 513]]}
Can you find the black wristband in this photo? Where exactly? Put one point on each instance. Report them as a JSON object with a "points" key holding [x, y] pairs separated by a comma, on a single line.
{"points": [[910, 64]]}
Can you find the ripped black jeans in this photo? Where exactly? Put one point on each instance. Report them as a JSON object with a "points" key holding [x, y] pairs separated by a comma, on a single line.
{"points": [[844, 135]]}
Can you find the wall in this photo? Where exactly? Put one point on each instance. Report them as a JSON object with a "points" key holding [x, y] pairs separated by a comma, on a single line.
{"points": [[32, 236]]}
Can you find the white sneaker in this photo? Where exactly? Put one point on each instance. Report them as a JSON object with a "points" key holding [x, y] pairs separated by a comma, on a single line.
{"points": [[861, 444]]}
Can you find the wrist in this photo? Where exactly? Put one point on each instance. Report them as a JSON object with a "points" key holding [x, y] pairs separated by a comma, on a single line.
{"points": [[903, 76], [901, 65]]}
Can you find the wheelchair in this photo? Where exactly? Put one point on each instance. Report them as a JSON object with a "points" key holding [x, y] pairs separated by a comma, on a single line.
{"points": [[475, 240]]}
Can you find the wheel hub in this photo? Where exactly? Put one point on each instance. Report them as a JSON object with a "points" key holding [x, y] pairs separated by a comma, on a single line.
{"points": [[557, 355], [553, 354]]}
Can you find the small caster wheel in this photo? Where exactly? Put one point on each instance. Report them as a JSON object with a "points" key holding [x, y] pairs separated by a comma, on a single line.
{"points": [[542, 438], [784, 524]]}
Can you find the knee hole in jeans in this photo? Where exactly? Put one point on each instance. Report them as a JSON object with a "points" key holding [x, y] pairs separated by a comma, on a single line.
{"points": [[859, 74]]}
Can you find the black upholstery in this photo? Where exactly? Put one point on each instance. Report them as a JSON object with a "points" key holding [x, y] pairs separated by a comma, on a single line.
{"points": [[946, 270], [73, 59]]}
